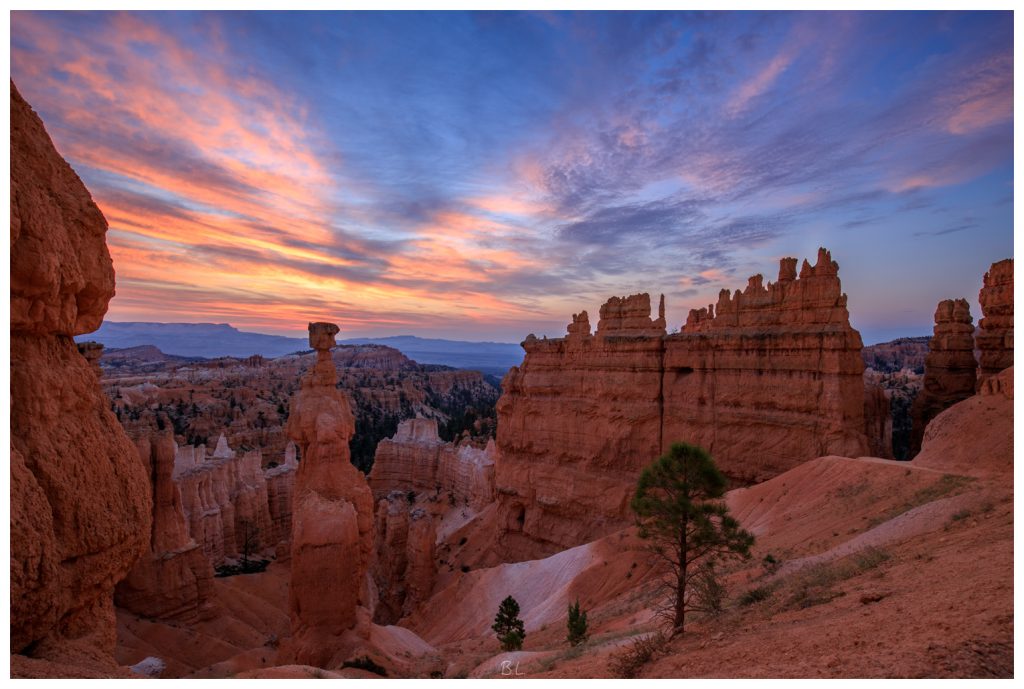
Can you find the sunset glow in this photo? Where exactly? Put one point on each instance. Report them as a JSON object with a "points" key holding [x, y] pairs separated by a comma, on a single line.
{"points": [[485, 175]]}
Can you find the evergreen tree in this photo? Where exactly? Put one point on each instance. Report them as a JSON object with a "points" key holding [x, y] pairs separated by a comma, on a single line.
{"points": [[577, 624], [508, 626], [679, 510]]}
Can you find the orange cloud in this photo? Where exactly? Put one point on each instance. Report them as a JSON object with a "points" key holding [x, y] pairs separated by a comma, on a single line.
{"points": [[220, 201]]}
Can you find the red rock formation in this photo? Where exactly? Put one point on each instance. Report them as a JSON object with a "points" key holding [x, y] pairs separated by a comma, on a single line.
{"points": [[949, 369], [772, 378], [80, 507], [416, 459], [418, 481], [995, 336], [332, 518], [767, 378], [226, 501], [975, 436], [174, 581], [408, 460], [403, 569], [92, 352], [466, 474], [280, 488]]}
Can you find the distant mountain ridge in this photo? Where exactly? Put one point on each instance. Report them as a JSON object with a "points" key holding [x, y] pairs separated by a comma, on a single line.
{"points": [[211, 340]]}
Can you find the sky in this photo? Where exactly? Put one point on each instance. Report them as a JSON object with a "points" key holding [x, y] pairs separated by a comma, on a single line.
{"points": [[485, 175]]}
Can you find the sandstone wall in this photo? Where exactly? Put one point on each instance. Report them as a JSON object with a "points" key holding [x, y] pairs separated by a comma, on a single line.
{"points": [[80, 505], [767, 378], [950, 369], [995, 335]]}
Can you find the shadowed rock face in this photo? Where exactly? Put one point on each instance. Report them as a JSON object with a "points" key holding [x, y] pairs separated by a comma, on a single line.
{"points": [[332, 517], [950, 370], [995, 337], [767, 378], [80, 504]]}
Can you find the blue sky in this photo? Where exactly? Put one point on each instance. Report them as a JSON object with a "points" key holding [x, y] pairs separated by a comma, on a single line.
{"points": [[486, 175]]}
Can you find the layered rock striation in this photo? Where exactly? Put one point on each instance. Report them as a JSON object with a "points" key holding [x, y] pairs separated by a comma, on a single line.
{"points": [[995, 333], [332, 518], [80, 505], [766, 378], [950, 369]]}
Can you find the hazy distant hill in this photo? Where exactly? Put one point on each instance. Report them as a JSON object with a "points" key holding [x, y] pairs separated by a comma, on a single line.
{"points": [[207, 340], [489, 357], [210, 340]]}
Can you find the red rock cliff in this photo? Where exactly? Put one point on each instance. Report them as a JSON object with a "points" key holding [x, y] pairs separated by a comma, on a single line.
{"points": [[80, 505], [767, 378]]}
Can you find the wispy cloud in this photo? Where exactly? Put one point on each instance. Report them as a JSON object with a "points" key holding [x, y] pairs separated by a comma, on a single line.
{"points": [[489, 171]]}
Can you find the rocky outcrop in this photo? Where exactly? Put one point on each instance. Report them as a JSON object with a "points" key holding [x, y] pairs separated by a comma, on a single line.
{"points": [[332, 518], [995, 334], [174, 580], [415, 459], [404, 568], [226, 501], [80, 506], [767, 378], [950, 368]]}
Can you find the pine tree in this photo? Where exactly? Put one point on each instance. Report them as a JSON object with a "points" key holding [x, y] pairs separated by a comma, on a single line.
{"points": [[508, 626], [679, 509], [577, 624]]}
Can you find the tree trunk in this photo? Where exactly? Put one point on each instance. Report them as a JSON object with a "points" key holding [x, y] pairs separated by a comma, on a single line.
{"points": [[680, 616]]}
